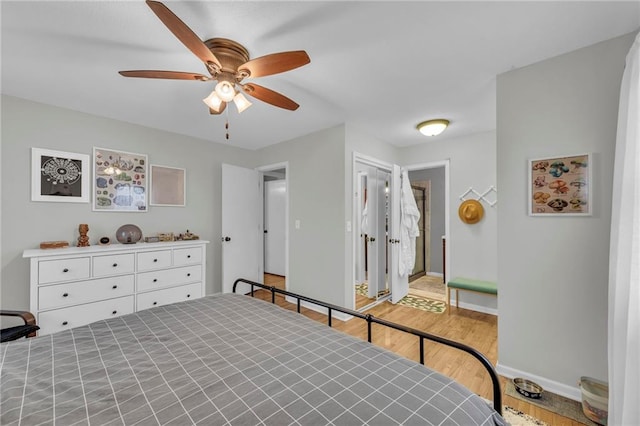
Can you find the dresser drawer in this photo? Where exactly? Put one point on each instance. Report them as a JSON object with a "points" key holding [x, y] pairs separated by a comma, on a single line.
{"points": [[52, 271], [169, 277], [150, 260], [68, 294], [168, 295], [187, 256], [113, 264], [75, 316]]}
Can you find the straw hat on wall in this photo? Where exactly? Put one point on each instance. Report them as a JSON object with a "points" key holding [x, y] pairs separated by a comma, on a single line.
{"points": [[470, 211]]}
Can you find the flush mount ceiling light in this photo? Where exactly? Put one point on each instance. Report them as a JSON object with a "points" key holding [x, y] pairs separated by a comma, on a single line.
{"points": [[432, 127]]}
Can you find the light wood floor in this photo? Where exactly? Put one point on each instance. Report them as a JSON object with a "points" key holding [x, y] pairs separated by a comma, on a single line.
{"points": [[472, 328]]}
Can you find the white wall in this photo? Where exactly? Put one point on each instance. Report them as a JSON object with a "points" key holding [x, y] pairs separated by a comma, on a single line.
{"points": [[473, 248], [25, 224], [553, 271]]}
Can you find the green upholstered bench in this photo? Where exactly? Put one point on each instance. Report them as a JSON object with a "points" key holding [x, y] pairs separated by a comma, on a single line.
{"points": [[468, 284]]}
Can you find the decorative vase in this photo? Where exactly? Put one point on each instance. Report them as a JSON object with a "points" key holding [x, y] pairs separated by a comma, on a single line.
{"points": [[128, 234]]}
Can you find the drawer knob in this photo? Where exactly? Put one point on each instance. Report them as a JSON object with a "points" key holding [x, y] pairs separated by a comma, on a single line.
{"points": [[189, 274], [155, 260], [114, 312], [65, 270], [188, 256], [65, 294], [115, 265], [155, 280], [188, 295], [64, 323], [114, 287], [155, 303]]}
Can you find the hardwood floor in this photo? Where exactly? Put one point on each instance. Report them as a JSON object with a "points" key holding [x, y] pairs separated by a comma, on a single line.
{"points": [[472, 328]]}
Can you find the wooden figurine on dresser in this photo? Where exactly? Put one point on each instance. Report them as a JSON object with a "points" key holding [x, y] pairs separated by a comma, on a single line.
{"points": [[83, 239]]}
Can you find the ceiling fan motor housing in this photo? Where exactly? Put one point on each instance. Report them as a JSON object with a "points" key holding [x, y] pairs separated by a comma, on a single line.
{"points": [[230, 54]]}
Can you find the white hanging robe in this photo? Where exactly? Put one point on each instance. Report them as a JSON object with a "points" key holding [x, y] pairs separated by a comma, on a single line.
{"points": [[409, 226]]}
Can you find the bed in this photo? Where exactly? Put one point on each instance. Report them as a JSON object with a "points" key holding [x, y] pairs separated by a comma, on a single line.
{"points": [[222, 359]]}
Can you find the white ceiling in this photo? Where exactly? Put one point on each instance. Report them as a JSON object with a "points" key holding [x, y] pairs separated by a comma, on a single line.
{"points": [[381, 65]]}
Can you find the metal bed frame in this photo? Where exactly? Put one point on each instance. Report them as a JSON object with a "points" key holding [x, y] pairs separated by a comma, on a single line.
{"points": [[370, 319]]}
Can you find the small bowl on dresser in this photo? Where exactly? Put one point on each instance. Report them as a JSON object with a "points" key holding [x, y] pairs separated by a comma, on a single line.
{"points": [[528, 388]]}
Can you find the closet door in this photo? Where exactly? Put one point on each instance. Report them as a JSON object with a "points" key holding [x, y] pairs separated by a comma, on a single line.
{"points": [[399, 284], [373, 233], [383, 205]]}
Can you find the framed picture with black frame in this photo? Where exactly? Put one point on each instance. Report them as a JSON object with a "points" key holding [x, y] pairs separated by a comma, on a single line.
{"points": [[58, 176]]}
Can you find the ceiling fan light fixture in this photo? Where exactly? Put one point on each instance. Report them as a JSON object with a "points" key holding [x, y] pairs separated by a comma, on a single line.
{"points": [[225, 90], [241, 102], [213, 101], [433, 127]]}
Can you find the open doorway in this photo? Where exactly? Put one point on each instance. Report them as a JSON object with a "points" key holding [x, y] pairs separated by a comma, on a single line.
{"points": [[275, 221], [430, 186]]}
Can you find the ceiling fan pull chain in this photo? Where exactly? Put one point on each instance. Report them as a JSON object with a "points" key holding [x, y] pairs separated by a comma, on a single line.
{"points": [[226, 124]]}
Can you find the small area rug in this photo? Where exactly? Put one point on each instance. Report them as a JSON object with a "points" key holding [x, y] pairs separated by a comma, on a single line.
{"points": [[555, 403], [363, 290], [413, 301], [518, 418], [435, 306]]}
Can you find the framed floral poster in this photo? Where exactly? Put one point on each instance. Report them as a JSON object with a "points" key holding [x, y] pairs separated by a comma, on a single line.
{"points": [[59, 176], [119, 181], [560, 186], [168, 186]]}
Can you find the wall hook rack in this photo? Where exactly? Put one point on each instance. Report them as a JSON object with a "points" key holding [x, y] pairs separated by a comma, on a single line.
{"points": [[481, 196]]}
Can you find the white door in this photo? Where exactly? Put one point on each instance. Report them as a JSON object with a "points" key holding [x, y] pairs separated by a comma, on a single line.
{"points": [[399, 284], [275, 201], [373, 238], [242, 244]]}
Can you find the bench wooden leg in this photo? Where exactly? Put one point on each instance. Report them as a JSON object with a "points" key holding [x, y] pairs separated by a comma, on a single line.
{"points": [[457, 298]]}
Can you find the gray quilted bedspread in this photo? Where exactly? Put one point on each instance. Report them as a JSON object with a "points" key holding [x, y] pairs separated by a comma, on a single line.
{"points": [[222, 359]]}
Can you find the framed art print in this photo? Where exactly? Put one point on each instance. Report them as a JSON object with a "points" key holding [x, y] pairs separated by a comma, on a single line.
{"points": [[119, 181], [168, 186], [560, 186], [58, 176]]}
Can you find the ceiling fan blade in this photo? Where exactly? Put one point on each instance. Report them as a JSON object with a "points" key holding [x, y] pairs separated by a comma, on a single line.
{"points": [[183, 33], [269, 96], [171, 75], [275, 63], [223, 106]]}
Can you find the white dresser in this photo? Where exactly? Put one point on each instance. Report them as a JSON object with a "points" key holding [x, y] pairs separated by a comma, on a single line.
{"points": [[74, 286]]}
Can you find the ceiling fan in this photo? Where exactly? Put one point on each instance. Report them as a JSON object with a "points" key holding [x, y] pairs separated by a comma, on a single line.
{"points": [[229, 64]]}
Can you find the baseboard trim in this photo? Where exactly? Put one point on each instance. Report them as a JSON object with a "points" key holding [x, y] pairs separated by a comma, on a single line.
{"points": [[320, 309], [549, 385], [472, 307], [435, 274]]}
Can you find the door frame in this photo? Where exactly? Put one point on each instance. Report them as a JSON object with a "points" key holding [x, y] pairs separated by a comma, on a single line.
{"points": [[268, 168], [370, 161], [447, 203]]}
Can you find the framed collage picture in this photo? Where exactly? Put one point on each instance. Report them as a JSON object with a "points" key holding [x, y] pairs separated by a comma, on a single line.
{"points": [[58, 176], [560, 186], [119, 181]]}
